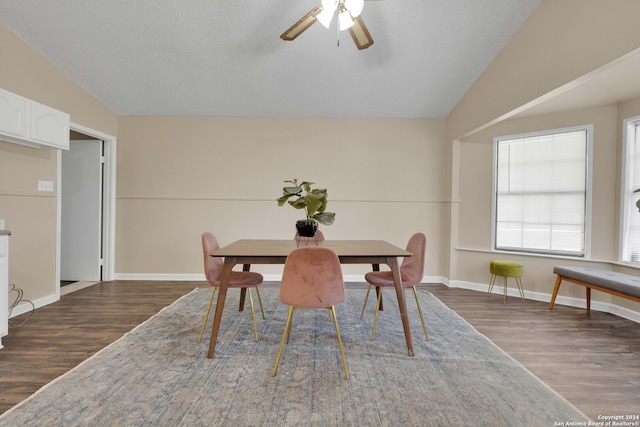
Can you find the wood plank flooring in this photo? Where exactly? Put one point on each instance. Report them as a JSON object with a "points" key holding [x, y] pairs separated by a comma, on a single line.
{"points": [[60, 336], [592, 360]]}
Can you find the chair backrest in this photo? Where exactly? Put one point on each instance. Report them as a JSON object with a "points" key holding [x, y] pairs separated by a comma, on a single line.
{"points": [[212, 265], [318, 237], [412, 267], [312, 278]]}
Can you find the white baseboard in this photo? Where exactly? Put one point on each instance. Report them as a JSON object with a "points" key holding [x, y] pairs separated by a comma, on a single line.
{"points": [[160, 277], [604, 307], [348, 278], [26, 307]]}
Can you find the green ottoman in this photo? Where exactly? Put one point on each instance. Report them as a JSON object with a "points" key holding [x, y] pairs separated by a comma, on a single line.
{"points": [[506, 269]]}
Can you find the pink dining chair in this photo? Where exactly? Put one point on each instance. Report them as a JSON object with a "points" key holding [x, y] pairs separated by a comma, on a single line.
{"points": [[312, 278], [319, 237], [239, 279], [411, 271]]}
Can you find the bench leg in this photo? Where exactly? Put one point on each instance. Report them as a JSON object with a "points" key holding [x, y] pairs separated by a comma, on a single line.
{"points": [[555, 292], [588, 298]]}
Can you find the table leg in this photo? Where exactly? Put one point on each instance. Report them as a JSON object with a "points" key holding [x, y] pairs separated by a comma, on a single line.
{"points": [[392, 262], [243, 291], [229, 262], [376, 267]]}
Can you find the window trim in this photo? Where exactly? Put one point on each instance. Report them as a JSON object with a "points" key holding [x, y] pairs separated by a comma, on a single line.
{"points": [[628, 129], [588, 183]]}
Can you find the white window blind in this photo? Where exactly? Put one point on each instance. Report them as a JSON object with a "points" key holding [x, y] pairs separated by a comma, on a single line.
{"points": [[541, 193], [631, 222]]}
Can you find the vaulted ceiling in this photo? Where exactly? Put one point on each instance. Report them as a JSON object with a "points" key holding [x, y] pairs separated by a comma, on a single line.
{"points": [[225, 58]]}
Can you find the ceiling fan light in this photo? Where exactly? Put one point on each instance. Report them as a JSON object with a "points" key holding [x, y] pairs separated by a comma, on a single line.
{"points": [[345, 20], [325, 17], [330, 5], [354, 7]]}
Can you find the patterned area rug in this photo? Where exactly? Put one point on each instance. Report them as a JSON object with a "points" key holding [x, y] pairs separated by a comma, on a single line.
{"points": [[158, 375]]}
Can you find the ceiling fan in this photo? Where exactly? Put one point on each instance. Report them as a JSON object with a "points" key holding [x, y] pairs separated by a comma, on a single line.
{"points": [[348, 12]]}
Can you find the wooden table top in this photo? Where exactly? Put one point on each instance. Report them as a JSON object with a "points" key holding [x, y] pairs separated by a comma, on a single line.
{"points": [[282, 248]]}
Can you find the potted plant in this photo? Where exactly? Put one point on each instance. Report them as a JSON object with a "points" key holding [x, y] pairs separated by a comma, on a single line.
{"points": [[312, 200]]}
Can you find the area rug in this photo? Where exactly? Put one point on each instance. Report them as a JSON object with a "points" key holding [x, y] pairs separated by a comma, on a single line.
{"points": [[158, 375]]}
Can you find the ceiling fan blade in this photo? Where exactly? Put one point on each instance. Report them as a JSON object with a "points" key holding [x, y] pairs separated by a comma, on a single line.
{"points": [[360, 34], [299, 27]]}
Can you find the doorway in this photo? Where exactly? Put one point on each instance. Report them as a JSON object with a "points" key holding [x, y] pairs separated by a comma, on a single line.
{"points": [[81, 192], [86, 209]]}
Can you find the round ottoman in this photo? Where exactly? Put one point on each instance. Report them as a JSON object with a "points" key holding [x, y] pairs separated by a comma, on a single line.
{"points": [[505, 268]]}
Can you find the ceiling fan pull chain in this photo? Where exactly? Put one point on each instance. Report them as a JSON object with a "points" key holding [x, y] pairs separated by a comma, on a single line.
{"points": [[338, 34]]}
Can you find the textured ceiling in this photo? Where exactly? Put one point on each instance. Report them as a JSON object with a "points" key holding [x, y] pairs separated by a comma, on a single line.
{"points": [[225, 58]]}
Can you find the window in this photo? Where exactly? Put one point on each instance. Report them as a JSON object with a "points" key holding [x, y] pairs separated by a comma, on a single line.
{"points": [[541, 194], [630, 233]]}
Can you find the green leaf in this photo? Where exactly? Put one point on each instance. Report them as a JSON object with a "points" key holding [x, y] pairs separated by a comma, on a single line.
{"points": [[282, 200], [313, 203], [306, 185], [298, 203], [325, 218], [292, 190]]}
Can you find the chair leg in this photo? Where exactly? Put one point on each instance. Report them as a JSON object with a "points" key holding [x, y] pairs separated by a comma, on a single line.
{"points": [[424, 326], [504, 298], [206, 315], [519, 282], [260, 301], [366, 297], [253, 315], [375, 319], [285, 337], [491, 282], [344, 359], [288, 335]]}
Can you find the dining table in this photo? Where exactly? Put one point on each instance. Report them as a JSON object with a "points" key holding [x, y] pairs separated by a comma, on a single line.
{"points": [[247, 252]]}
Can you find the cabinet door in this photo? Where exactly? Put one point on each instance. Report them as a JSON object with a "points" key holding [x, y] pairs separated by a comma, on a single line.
{"points": [[4, 286], [13, 114], [49, 126]]}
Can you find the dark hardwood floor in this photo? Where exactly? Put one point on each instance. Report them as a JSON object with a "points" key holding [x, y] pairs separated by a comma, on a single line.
{"points": [[60, 336], [592, 359]]}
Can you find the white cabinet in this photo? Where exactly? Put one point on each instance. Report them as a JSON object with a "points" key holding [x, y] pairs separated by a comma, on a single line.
{"points": [[13, 114], [4, 284], [27, 122]]}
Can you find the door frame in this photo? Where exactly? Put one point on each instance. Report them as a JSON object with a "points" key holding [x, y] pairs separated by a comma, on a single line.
{"points": [[108, 207]]}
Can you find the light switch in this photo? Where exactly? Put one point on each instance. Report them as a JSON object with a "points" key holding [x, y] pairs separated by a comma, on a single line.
{"points": [[45, 185]]}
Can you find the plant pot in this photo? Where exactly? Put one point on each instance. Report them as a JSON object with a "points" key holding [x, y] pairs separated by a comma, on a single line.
{"points": [[306, 228]]}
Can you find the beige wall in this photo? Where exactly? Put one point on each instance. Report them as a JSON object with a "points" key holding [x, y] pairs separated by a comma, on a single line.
{"points": [[30, 215], [561, 42], [180, 176], [177, 176], [473, 247]]}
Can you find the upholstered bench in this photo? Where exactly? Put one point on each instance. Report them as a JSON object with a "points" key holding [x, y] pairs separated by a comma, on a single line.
{"points": [[611, 282]]}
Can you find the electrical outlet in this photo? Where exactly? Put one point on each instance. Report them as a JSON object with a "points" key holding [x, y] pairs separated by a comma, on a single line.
{"points": [[45, 186]]}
